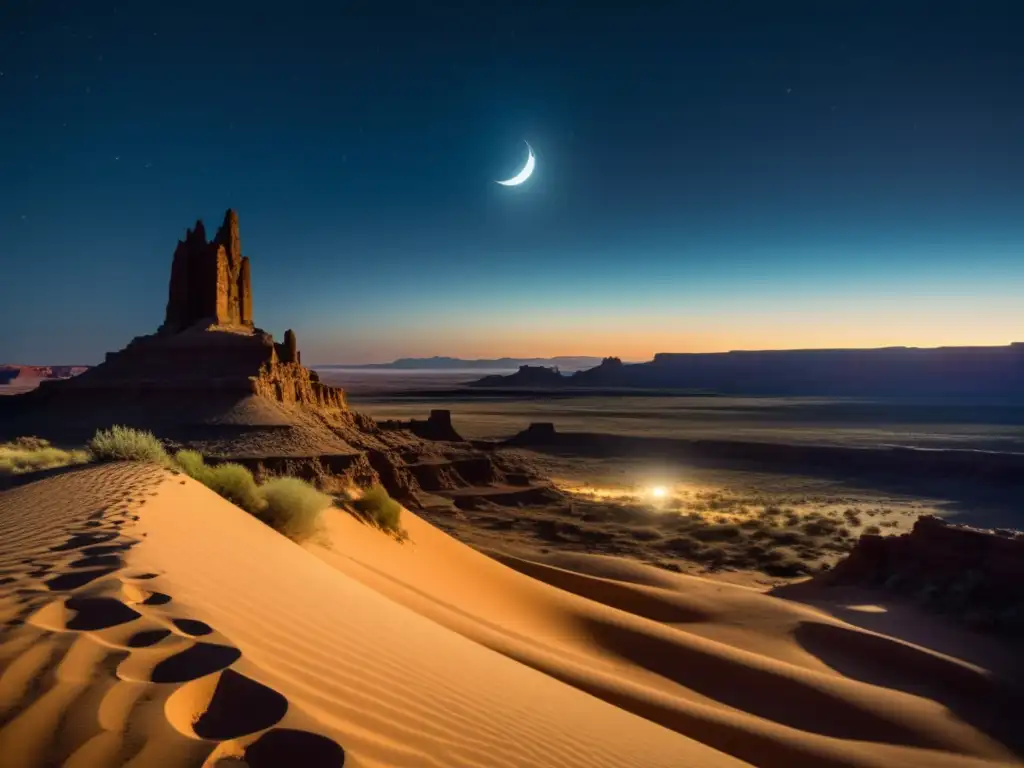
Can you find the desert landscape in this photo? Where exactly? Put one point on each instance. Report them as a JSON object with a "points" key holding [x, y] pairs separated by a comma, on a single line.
{"points": [[212, 555]]}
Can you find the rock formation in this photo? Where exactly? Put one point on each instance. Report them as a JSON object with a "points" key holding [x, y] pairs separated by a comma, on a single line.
{"points": [[886, 372], [437, 427], [210, 281], [528, 376], [207, 347], [977, 574], [210, 381], [538, 433], [289, 351]]}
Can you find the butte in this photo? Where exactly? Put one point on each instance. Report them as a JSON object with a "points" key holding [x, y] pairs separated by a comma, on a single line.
{"points": [[210, 380]]}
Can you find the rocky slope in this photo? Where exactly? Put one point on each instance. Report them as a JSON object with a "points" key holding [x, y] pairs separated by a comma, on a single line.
{"points": [[209, 379], [972, 573]]}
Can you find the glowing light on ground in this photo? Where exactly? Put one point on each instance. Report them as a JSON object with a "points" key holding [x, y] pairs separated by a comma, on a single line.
{"points": [[659, 492]]}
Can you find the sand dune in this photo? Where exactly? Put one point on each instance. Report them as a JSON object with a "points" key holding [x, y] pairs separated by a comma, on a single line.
{"points": [[146, 621]]}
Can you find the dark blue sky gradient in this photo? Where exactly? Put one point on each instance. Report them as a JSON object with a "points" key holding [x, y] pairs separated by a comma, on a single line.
{"points": [[710, 175]]}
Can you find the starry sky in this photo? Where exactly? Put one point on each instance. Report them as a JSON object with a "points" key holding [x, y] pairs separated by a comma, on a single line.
{"points": [[710, 176]]}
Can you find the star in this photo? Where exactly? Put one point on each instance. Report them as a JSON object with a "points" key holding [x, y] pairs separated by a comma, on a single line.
{"points": [[117, 157], [789, 90]]}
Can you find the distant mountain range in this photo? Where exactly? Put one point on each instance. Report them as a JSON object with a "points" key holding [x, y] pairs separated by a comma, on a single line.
{"points": [[564, 363], [886, 372], [9, 372]]}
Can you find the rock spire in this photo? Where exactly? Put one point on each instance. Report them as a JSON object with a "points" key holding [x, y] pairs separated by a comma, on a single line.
{"points": [[210, 281]]}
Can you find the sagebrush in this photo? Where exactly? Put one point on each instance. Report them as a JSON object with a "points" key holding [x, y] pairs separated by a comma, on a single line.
{"points": [[293, 506], [376, 505], [236, 484], [32, 454], [120, 443], [287, 504]]}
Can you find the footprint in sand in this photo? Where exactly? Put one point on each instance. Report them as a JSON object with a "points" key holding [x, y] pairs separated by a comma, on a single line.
{"points": [[138, 596], [227, 705], [97, 561], [287, 746], [65, 582], [84, 539], [277, 747], [209, 700], [93, 613], [193, 627], [147, 637]]}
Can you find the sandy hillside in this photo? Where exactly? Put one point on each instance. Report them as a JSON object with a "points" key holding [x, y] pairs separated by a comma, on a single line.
{"points": [[146, 621]]}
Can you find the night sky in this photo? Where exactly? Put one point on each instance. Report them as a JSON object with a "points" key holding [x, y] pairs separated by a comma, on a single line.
{"points": [[710, 175]]}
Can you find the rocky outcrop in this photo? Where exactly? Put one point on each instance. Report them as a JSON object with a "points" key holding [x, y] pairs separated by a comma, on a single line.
{"points": [[292, 384], [438, 426], [207, 346], [975, 573], [528, 376], [538, 433], [289, 351], [887, 372], [210, 281], [209, 380], [9, 373]]}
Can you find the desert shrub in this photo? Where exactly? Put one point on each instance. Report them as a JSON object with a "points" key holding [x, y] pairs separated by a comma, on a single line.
{"points": [[873, 529], [686, 547], [31, 454], [293, 506], [717, 533], [192, 464], [786, 569], [820, 527], [30, 443], [236, 484], [381, 509], [785, 537], [645, 534], [121, 443]]}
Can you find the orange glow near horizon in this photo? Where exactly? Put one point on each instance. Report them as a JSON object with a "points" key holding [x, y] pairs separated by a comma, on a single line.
{"points": [[639, 339]]}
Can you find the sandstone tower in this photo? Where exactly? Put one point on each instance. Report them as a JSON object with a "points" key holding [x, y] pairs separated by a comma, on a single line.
{"points": [[210, 281]]}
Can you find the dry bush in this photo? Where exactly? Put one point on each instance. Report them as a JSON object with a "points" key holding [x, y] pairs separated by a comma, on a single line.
{"points": [[32, 454], [378, 507], [293, 506], [192, 464], [120, 443], [236, 484], [232, 481]]}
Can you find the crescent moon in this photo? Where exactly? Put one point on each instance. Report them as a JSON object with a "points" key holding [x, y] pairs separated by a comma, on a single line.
{"points": [[524, 174]]}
